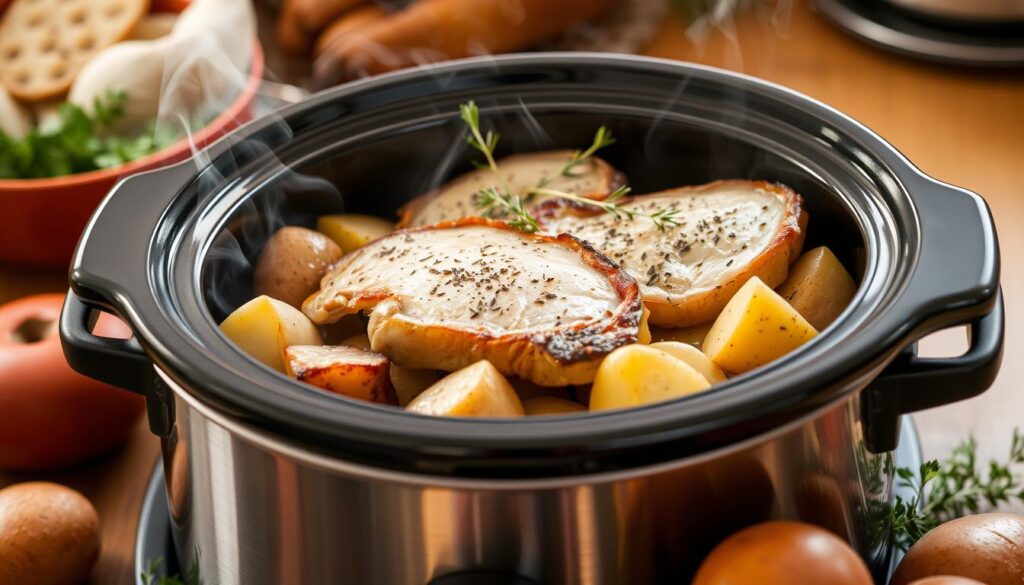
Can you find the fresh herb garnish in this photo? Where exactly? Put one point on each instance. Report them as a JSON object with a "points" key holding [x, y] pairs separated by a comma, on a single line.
{"points": [[78, 142], [953, 488], [502, 202]]}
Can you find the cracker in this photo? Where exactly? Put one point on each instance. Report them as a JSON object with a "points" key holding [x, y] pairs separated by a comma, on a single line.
{"points": [[44, 43]]}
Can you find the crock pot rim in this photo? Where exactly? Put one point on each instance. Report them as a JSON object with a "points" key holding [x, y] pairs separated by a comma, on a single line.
{"points": [[564, 445]]}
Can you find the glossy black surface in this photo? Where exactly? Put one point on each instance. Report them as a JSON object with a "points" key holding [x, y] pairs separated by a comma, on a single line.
{"points": [[169, 250], [921, 36]]}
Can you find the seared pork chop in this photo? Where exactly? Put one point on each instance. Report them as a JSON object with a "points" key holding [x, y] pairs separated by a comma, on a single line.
{"points": [[543, 308], [593, 179], [727, 232]]}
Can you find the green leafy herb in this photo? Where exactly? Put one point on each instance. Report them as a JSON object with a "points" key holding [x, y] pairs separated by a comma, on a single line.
{"points": [[502, 201], [955, 487], [78, 142], [154, 575]]}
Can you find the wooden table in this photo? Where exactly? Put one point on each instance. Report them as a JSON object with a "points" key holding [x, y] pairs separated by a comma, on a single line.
{"points": [[964, 127]]}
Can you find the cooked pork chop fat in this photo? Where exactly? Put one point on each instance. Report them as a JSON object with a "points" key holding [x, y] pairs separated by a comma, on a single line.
{"points": [[728, 232], [542, 308], [593, 179]]}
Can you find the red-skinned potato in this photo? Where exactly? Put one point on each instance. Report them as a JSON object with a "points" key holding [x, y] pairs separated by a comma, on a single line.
{"points": [[291, 264], [52, 417], [343, 369]]}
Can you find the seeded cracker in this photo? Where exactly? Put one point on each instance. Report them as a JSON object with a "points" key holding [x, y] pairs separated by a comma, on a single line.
{"points": [[44, 43]]}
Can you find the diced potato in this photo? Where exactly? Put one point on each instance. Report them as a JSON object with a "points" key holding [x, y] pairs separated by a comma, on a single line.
{"points": [[411, 382], [818, 287], [361, 340], [264, 327], [634, 375], [352, 231], [756, 327], [547, 405], [691, 335], [694, 357], [478, 390], [342, 369]]}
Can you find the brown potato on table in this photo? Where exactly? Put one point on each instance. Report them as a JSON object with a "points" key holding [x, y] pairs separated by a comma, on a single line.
{"points": [[343, 369], [818, 287], [435, 30], [984, 547], [291, 264], [49, 535]]}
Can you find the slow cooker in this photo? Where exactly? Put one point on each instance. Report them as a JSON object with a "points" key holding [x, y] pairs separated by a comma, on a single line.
{"points": [[271, 481]]}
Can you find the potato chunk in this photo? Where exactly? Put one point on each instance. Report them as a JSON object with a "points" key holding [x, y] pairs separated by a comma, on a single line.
{"points": [[548, 405], [756, 327], [344, 370], [693, 356], [818, 287], [352, 231], [265, 327], [291, 264], [478, 390], [411, 382], [637, 374]]}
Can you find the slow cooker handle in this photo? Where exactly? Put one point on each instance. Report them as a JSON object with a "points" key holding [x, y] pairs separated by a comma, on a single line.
{"points": [[118, 362], [955, 282]]}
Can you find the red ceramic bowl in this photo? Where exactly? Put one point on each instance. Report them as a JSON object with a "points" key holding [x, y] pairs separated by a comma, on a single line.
{"points": [[41, 219]]}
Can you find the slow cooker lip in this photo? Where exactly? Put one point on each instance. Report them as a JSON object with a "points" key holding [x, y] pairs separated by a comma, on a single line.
{"points": [[564, 446]]}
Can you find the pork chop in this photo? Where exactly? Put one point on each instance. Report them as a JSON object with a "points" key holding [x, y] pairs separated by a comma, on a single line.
{"points": [[593, 179], [543, 308], [727, 232]]}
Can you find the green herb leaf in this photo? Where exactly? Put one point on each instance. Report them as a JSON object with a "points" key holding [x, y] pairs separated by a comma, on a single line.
{"points": [[77, 142]]}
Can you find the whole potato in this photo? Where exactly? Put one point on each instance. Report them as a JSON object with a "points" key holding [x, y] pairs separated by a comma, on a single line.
{"points": [[783, 553], [49, 535], [291, 264], [986, 547]]}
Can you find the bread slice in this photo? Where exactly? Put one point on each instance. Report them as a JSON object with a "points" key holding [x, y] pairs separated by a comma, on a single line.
{"points": [[593, 179], [543, 308], [727, 232]]}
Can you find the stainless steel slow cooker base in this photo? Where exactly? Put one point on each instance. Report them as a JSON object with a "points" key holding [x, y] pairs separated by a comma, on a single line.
{"points": [[154, 540], [234, 488]]}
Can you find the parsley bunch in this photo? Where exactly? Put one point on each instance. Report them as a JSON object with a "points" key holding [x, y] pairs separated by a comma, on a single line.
{"points": [[78, 142]]}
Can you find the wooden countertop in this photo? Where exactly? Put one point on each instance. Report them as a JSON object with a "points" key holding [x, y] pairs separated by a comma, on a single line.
{"points": [[961, 126]]}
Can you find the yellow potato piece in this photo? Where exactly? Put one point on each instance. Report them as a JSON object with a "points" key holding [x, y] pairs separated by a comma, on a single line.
{"points": [[478, 390], [637, 374], [691, 335], [411, 382], [352, 231], [265, 327], [548, 405], [693, 356], [818, 287], [756, 327]]}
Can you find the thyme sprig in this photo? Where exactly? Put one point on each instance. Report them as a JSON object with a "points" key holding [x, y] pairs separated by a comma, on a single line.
{"points": [[502, 201], [953, 488]]}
